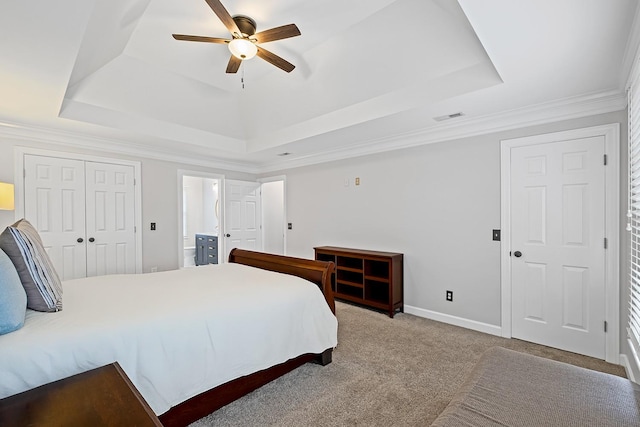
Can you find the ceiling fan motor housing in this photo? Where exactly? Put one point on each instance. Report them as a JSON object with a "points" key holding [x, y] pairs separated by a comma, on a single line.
{"points": [[246, 25]]}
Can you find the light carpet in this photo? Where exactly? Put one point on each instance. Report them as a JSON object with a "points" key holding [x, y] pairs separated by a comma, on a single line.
{"points": [[400, 371]]}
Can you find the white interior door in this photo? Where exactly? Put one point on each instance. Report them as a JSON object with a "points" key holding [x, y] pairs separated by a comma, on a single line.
{"points": [[54, 202], [110, 207], [558, 247], [242, 216]]}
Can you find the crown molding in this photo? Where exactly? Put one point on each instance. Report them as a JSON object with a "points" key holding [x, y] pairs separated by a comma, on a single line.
{"points": [[565, 109], [29, 133], [550, 112]]}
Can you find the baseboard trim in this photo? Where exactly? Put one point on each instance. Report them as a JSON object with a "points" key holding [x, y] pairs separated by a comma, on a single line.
{"points": [[454, 320], [624, 361]]}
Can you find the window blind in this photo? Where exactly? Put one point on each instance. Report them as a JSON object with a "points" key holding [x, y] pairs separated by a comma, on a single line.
{"points": [[633, 214]]}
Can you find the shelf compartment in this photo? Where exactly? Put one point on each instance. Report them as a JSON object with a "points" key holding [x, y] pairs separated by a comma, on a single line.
{"points": [[333, 281], [349, 262], [348, 283], [376, 268], [348, 290], [326, 257], [331, 258], [377, 279], [350, 276], [378, 291]]}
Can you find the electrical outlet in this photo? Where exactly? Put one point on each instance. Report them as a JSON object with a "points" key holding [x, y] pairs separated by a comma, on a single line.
{"points": [[154, 269], [153, 226], [289, 226], [449, 295], [357, 181]]}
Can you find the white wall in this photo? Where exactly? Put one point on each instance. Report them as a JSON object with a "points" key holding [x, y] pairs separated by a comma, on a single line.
{"points": [[436, 203], [159, 198], [273, 217]]}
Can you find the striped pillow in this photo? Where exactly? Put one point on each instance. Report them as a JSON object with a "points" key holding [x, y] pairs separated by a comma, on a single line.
{"points": [[22, 244]]}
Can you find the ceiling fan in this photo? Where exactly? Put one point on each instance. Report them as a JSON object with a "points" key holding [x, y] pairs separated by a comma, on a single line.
{"points": [[245, 42]]}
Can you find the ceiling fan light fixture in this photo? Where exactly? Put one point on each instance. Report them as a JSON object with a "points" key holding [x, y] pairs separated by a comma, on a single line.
{"points": [[243, 49]]}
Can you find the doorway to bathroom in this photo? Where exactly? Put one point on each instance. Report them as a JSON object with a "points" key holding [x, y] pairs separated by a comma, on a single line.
{"points": [[200, 218], [218, 214]]}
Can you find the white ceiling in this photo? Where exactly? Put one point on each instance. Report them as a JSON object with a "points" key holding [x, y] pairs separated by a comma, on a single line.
{"points": [[370, 74]]}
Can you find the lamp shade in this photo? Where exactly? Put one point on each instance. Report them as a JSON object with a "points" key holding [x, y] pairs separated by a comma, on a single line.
{"points": [[6, 197], [243, 48]]}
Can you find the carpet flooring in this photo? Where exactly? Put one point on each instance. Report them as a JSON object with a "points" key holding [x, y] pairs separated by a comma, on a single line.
{"points": [[400, 371]]}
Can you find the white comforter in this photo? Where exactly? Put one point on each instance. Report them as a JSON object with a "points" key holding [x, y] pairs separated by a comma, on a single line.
{"points": [[175, 334]]}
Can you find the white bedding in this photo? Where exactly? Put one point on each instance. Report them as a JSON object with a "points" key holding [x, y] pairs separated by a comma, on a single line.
{"points": [[175, 334]]}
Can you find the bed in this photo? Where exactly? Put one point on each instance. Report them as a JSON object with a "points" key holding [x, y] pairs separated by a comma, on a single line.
{"points": [[245, 324]]}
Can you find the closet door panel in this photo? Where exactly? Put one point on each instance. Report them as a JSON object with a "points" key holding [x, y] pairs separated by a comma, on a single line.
{"points": [[55, 205], [110, 219]]}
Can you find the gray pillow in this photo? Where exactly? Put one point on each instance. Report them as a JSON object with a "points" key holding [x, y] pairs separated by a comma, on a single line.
{"points": [[13, 299], [22, 244]]}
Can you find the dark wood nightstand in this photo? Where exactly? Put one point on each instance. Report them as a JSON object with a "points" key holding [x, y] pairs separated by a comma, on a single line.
{"points": [[101, 397]]}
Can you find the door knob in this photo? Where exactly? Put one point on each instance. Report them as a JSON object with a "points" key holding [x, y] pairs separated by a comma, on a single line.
{"points": [[517, 254], [80, 240], [91, 239], [227, 235]]}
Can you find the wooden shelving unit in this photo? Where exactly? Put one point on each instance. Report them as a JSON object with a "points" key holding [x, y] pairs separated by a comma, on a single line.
{"points": [[369, 278]]}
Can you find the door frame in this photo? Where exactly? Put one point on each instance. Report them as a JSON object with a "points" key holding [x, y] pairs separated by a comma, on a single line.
{"points": [[282, 178], [18, 171], [199, 174], [611, 134]]}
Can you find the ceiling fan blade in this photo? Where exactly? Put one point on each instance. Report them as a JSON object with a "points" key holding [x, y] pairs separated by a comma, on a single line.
{"points": [[233, 65], [224, 16], [274, 59], [200, 39], [278, 33]]}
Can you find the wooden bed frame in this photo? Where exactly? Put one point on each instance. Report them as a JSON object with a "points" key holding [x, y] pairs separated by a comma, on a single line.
{"points": [[318, 272]]}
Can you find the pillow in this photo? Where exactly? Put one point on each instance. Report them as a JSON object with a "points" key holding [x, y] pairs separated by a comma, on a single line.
{"points": [[13, 299], [22, 244]]}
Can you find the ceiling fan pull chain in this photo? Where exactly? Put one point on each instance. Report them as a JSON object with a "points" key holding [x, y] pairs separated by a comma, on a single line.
{"points": [[242, 78]]}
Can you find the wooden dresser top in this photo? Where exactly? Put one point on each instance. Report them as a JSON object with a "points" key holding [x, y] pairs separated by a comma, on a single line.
{"points": [[101, 397]]}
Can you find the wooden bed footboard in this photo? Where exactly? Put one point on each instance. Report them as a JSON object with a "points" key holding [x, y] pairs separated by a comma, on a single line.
{"points": [[318, 272], [205, 403]]}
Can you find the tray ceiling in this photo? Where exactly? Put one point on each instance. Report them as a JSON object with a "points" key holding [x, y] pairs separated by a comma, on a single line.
{"points": [[366, 71]]}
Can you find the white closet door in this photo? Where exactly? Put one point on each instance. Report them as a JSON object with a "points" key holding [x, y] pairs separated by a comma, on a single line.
{"points": [[55, 205], [111, 245]]}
